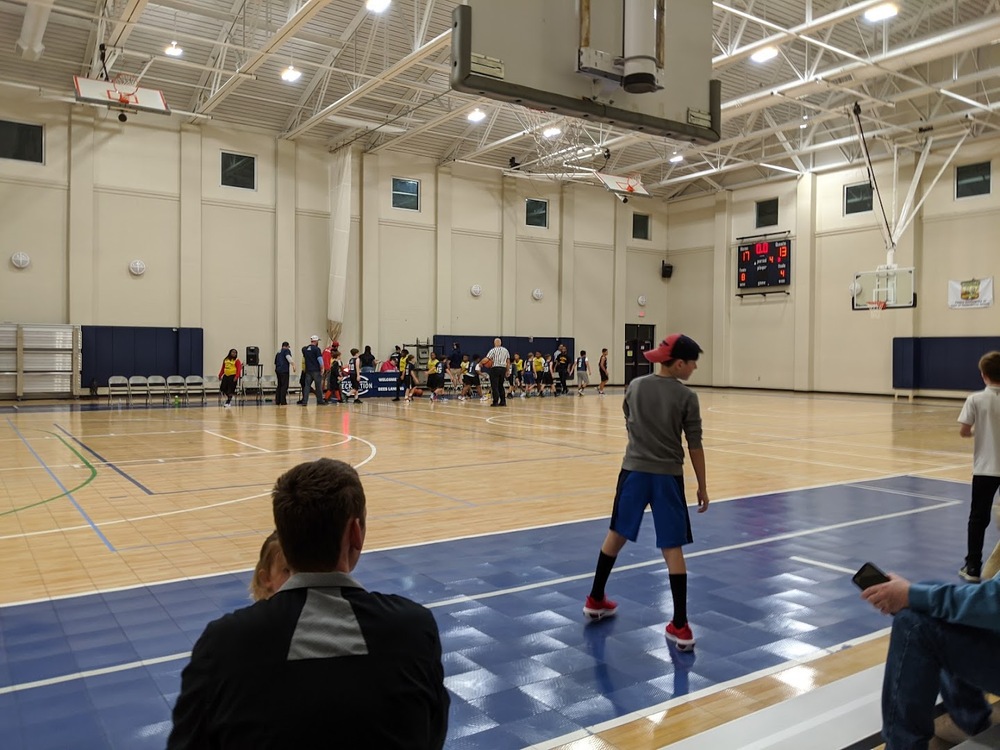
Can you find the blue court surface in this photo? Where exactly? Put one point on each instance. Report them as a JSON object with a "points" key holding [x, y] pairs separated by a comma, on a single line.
{"points": [[522, 664]]}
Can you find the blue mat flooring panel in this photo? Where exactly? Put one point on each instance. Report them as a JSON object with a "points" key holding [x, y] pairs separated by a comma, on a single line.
{"points": [[521, 663]]}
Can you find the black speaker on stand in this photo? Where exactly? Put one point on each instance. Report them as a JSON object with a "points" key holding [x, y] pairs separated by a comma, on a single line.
{"points": [[666, 270], [253, 356]]}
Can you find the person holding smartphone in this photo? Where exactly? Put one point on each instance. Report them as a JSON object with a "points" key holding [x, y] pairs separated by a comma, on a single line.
{"points": [[945, 637]]}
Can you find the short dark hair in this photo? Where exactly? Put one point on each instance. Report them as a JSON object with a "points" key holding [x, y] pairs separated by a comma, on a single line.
{"points": [[284, 344], [989, 365], [313, 503]]}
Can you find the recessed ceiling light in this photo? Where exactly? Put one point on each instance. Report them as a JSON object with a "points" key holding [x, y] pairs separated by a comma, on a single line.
{"points": [[764, 54], [476, 115], [173, 50], [377, 6], [290, 74], [551, 132], [881, 12], [676, 158]]}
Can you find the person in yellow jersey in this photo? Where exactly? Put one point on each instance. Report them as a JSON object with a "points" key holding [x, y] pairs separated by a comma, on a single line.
{"points": [[538, 363], [229, 375]]}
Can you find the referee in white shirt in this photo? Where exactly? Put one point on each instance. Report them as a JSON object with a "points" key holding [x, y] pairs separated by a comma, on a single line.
{"points": [[499, 372]]}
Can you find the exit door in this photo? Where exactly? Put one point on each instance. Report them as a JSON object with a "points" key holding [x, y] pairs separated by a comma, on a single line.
{"points": [[638, 339]]}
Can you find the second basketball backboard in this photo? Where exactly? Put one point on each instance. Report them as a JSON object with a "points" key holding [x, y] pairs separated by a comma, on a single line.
{"points": [[643, 65], [888, 288]]}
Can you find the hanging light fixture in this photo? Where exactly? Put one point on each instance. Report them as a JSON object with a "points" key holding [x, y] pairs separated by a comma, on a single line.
{"points": [[764, 54], [291, 74], [881, 12], [173, 50], [377, 6], [551, 132], [476, 115]]}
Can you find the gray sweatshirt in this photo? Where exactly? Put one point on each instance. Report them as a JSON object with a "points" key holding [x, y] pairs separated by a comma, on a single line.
{"points": [[657, 409]]}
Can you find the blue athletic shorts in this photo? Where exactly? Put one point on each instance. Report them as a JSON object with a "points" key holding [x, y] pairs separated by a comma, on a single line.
{"points": [[664, 493]]}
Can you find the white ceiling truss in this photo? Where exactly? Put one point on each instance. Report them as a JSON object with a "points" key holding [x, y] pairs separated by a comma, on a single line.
{"points": [[380, 82]]}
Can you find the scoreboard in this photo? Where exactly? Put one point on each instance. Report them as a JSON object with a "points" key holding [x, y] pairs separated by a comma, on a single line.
{"points": [[763, 264]]}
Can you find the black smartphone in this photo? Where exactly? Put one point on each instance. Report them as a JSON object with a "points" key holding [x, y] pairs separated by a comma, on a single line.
{"points": [[868, 575]]}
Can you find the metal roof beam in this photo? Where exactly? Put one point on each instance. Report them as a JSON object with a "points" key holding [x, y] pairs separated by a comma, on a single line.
{"points": [[308, 10], [391, 72]]}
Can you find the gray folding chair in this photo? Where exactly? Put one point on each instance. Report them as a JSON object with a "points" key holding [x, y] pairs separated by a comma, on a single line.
{"points": [[138, 387]]}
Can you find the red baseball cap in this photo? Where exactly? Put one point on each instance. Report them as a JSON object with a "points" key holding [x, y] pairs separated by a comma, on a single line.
{"points": [[674, 346]]}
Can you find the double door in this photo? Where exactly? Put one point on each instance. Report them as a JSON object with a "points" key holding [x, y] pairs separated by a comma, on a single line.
{"points": [[638, 339]]}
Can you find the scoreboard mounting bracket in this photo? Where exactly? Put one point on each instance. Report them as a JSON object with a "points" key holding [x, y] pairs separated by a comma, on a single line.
{"points": [[741, 295]]}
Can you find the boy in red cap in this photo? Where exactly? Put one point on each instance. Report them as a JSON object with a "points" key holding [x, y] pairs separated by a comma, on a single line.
{"points": [[658, 408]]}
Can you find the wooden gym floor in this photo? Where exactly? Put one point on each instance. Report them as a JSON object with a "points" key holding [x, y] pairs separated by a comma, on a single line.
{"points": [[98, 500]]}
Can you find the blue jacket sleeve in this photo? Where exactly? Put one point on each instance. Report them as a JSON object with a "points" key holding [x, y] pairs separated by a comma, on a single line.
{"points": [[974, 604]]}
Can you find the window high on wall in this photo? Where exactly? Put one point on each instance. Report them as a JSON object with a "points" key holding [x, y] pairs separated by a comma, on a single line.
{"points": [[406, 194], [536, 212], [239, 171], [21, 141], [972, 179], [767, 213], [640, 227], [857, 198]]}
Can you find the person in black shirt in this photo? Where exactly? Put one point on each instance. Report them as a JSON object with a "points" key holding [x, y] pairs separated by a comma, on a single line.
{"points": [[313, 369], [283, 363], [322, 662], [367, 360], [455, 365]]}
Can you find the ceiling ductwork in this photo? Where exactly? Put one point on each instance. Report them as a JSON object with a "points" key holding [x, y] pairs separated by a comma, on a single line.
{"points": [[36, 18]]}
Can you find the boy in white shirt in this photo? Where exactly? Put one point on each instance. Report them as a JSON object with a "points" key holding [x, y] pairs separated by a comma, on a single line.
{"points": [[980, 420]]}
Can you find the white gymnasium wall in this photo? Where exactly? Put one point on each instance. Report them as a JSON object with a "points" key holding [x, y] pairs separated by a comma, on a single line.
{"points": [[220, 258], [593, 275], [33, 214], [690, 228], [475, 260], [959, 242]]}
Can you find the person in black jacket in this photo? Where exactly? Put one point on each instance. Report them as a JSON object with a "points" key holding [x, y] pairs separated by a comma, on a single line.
{"points": [[323, 662]]}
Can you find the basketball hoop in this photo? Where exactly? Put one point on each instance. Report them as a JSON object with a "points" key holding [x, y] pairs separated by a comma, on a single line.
{"points": [[875, 308], [125, 85]]}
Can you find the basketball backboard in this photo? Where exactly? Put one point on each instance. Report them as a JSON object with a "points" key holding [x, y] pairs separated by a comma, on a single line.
{"points": [[132, 99], [890, 287], [643, 65], [631, 185]]}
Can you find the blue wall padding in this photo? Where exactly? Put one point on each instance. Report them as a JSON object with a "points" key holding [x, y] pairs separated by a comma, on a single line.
{"points": [[520, 344], [945, 363], [130, 350]]}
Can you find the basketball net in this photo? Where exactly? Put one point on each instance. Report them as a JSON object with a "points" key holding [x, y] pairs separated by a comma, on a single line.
{"points": [[560, 155], [875, 308], [125, 85]]}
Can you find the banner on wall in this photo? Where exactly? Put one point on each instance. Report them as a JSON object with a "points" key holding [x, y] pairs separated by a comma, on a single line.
{"points": [[971, 293]]}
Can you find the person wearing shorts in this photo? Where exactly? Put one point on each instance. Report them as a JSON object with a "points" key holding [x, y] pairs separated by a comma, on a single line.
{"points": [[658, 408], [602, 369], [354, 369], [582, 373], [528, 374]]}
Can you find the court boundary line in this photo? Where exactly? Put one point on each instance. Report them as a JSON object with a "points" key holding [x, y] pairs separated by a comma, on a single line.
{"points": [[410, 545], [66, 492]]}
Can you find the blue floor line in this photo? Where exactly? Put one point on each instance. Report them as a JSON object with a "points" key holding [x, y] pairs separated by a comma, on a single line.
{"points": [[69, 495]]}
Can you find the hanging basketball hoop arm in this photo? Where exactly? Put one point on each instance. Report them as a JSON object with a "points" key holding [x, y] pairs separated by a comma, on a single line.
{"points": [[890, 234]]}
